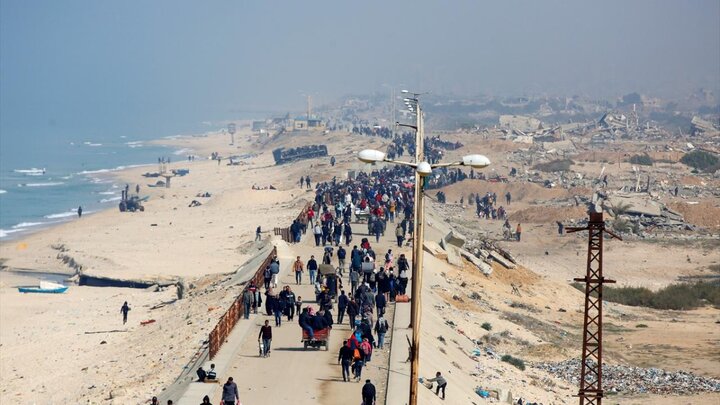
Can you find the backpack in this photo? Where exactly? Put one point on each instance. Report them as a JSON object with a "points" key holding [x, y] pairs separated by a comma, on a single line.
{"points": [[356, 354], [382, 325], [268, 273]]}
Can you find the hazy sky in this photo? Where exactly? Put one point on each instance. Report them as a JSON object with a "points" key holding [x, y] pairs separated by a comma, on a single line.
{"points": [[147, 67]]}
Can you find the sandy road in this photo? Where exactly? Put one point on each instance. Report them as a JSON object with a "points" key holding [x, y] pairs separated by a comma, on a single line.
{"points": [[292, 374]]}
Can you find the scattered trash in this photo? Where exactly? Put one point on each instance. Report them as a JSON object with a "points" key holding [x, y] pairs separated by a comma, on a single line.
{"points": [[636, 380]]}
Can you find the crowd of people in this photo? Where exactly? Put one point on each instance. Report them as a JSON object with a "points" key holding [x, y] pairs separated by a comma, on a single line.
{"points": [[362, 280]]}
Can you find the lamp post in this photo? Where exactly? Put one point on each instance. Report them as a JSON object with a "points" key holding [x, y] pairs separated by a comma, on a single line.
{"points": [[422, 169]]}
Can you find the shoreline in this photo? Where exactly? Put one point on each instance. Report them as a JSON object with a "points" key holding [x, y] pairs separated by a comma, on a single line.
{"points": [[119, 173]]}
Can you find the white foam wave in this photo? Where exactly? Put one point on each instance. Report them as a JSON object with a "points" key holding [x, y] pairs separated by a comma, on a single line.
{"points": [[31, 172], [92, 144], [50, 184], [61, 215], [107, 200], [107, 193], [6, 232], [3, 191], [183, 151], [99, 171], [27, 224]]}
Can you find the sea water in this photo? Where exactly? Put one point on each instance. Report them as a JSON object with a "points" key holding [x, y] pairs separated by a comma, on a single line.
{"points": [[45, 185]]}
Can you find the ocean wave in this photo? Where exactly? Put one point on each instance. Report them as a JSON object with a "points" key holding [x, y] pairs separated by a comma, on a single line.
{"points": [[27, 224], [61, 215], [107, 193], [92, 144], [31, 172], [107, 200], [3, 191], [183, 151], [50, 184], [5, 232], [100, 171]]}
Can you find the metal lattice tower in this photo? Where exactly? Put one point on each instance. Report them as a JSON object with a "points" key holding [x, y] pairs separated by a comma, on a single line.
{"points": [[591, 391]]}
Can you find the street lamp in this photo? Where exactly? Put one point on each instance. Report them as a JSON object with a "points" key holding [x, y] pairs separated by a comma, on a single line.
{"points": [[422, 169]]}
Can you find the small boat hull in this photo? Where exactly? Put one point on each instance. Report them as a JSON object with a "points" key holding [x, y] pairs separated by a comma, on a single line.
{"points": [[58, 290]]}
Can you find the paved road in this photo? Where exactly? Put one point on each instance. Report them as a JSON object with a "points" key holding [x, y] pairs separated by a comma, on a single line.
{"points": [[292, 374]]}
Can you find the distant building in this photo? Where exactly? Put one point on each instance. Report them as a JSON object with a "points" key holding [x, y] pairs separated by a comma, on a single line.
{"points": [[258, 126], [305, 124]]}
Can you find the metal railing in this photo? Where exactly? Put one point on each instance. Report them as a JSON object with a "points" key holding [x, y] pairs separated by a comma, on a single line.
{"points": [[285, 233], [227, 322]]}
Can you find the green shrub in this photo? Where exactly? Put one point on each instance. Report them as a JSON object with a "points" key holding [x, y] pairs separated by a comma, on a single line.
{"points": [[486, 326], [518, 363], [684, 296], [644, 160], [700, 160], [562, 165], [641, 325]]}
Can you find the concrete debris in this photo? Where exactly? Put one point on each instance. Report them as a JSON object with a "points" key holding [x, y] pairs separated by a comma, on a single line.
{"points": [[484, 267], [455, 238], [636, 380], [701, 127], [502, 260]]}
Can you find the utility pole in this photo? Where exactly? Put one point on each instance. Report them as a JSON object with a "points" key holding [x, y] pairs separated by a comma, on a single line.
{"points": [[591, 391], [392, 109], [418, 240]]}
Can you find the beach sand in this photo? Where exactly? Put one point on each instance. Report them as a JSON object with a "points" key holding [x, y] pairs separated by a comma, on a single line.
{"points": [[46, 356]]}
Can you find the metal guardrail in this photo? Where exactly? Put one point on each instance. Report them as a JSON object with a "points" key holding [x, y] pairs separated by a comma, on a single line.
{"points": [[227, 322], [284, 233]]}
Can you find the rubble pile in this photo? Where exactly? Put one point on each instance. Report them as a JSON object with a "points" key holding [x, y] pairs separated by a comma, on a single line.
{"points": [[636, 380]]}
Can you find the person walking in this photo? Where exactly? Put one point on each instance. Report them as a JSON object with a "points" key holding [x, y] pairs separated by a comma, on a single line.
{"points": [[345, 357], [342, 306], [298, 268], [206, 400], [317, 233], [352, 310], [399, 234], [79, 211], [561, 228], [124, 310], [275, 270], [258, 231], [341, 254], [441, 383], [289, 303], [518, 231], [381, 328], [380, 304], [267, 277], [508, 197], [312, 267], [230, 392], [368, 393], [266, 336], [354, 280], [247, 300], [277, 306]]}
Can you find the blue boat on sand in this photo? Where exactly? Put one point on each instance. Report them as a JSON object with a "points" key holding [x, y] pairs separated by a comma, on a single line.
{"points": [[45, 287]]}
